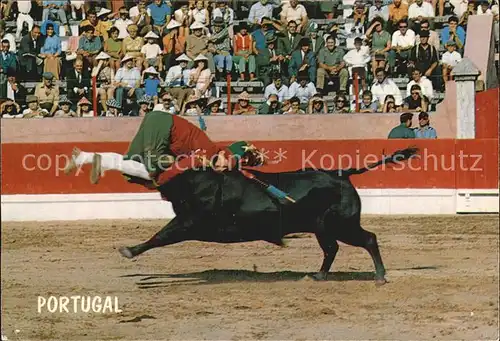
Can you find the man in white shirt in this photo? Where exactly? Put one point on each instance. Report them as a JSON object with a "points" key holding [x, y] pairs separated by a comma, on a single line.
{"points": [[384, 86], [424, 82], [127, 81], [420, 10], [296, 13], [357, 58], [141, 16], [449, 60], [277, 88], [24, 9], [303, 89], [178, 78], [261, 9], [122, 23], [402, 42], [378, 10]]}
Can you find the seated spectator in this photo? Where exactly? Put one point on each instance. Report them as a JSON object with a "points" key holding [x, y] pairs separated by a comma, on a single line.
{"points": [[145, 103], [168, 104], [295, 12], [449, 60], [277, 88], [141, 17], [151, 52], [29, 52], [105, 80], [433, 39], [196, 42], [132, 45], [34, 109], [122, 23], [78, 82], [398, 11], [378, 10], [91, 20], [47, 94], [113, 48], [341, 104], [220, 37], [403, 41], [161, 13], [77, 6], [384, 86], [260, 10], [416, 101], [65, 110], [271, 106], [389, 104], [114, 108], [15, 91], [10, 109], [424, 130], [403, 130], [56, 9], [226, 13], [331, 65], [214, 107], [269, 60], [295, 107], [380, 45], [104, 23], [242, 46], [201, 77], [303, 89], [422, 81], [178, 78], [127, 81], [453, 32], [317, 105], [89, 46], [192, 107], [7, 36], [151, 80], [8, 61], [317, 42], [302, 59], [23, 16], [200, 13], [368, 105], [84, 108], [287, 43], [51, 52], [463, 7], [243, 106], [418, 11], [423, 57], [357, 58], [173, 44], [6, 9]]}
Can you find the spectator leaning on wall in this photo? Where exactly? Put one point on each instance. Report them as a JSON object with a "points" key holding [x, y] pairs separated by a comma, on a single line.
{"points": [[424, 130], [403, 130]]}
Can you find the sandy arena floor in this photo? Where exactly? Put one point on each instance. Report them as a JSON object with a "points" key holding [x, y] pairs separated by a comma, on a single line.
{"points": [[442, 273]]}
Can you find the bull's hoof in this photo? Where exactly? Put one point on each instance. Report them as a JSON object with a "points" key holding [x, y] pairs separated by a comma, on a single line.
{"points": [[381, 281], [126, 252], [320, 276]]}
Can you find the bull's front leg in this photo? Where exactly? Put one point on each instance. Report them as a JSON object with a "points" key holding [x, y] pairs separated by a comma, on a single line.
{"points": [[330, 248]]}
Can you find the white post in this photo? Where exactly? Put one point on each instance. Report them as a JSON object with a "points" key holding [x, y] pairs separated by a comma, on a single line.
{"points": [[465, 75]]}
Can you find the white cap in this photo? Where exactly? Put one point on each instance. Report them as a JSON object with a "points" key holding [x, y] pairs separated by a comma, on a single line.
{"points": [[173, 24], [197, 25], [151, 70], [127, 57], [103, 11], [102, 55], [183, 58], [151, 35], [200, 57]]}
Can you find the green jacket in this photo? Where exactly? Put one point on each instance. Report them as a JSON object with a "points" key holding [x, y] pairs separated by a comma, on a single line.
{"points": [[401, 132]]}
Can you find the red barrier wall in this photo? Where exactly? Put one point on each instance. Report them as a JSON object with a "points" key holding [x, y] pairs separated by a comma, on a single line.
{"points": [[487, 112], [37, 168]]}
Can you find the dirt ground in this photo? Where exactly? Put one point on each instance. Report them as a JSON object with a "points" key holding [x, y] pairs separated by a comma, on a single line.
{"points": [[443, 276]]}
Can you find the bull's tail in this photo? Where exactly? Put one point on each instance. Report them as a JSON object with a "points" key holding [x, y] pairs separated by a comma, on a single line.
{"points": [[398, 156]]}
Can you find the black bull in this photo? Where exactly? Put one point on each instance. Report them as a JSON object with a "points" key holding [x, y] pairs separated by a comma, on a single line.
{"points": [[229, 208]]}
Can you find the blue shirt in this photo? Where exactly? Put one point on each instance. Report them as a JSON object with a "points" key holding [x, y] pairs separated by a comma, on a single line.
{"points": [[260, 38], [159, 14], [425, 133], [151, 85], [445, 35], [52, 45], [54, 2]]}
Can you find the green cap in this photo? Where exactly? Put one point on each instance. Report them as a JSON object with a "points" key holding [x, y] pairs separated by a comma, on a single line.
{"points": [[239, 148]]}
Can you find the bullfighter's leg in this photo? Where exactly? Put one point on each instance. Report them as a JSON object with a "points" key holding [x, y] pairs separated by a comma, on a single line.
{"points": [[174, 232], [105, 161], [367, 240], [330, 248]]}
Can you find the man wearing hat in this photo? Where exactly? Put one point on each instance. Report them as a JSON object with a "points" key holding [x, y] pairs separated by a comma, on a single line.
{"points": [[177, 79], [302, 60], [243, 52], [47, 93], [424, 130], [77, 81], [269, 60], [173, 44], [423, 56], [220, 37], [196, 42], [243, 107], [152, 52], [34, 110], [165, 146], [127, 81]]}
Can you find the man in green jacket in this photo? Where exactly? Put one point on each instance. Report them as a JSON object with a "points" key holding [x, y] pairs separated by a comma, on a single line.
{"points": [[403, 130]]}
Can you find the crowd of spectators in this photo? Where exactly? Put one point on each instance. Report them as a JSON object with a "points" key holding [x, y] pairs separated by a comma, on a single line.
{"points": [[170, 54]]}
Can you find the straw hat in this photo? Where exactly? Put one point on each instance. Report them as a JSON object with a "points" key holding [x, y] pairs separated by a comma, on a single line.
{"points": [[151, 70], [151, 35], [173, 24], [84, 101], [103, 11], [102, 56], [112, 103], [63, 99], [213, 100], [244, 96], [183, 58], [127, 58], [200, 57], [197, 26]]}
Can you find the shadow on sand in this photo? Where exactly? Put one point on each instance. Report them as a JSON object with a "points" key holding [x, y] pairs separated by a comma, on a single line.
{"points": [[225, 276]]}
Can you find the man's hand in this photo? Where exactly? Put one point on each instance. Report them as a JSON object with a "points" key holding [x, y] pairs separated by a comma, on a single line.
{"points": [[81, 91], [131, 92], [428, 73]]}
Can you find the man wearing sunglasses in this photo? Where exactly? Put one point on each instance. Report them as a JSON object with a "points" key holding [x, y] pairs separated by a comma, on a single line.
{"points": [[403, 41], [424, 130]]}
